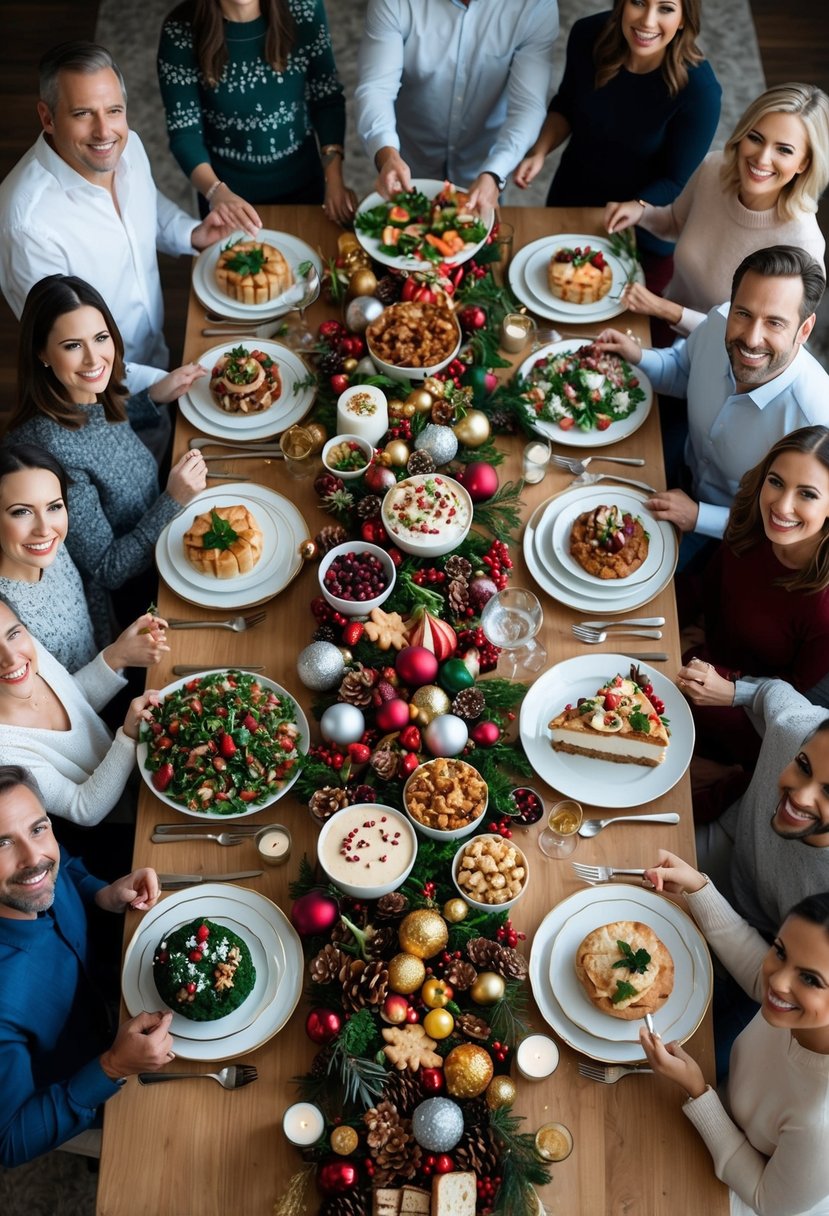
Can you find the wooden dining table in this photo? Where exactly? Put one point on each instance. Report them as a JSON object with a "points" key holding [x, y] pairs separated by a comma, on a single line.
{"points": [[192, 1149]]}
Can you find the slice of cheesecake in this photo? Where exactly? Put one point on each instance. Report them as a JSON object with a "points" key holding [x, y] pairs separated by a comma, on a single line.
{"points": [[618, 724]]}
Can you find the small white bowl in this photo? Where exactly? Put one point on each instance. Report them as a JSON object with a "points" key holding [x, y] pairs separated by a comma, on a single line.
{"points": [[411, 373], [357, 607], [353, 878], [428, 544], [348, 474], [476, 903], [443, 833]]}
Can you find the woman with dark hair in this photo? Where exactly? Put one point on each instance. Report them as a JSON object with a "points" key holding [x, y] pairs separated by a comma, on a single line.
{"points": [[71, 401], [255, 111], [639, 105], [769, 1144]]}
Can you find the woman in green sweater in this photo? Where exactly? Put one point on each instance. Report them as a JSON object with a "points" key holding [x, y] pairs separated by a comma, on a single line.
{"points": [[254, 108]]}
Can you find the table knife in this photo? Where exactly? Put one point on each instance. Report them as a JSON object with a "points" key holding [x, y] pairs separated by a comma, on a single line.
{"points": [[174, 882], [239, 829], [649, 656], [652, 621]]}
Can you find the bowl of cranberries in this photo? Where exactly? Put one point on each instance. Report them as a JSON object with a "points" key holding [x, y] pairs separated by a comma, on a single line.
{"points": [[356, 577]]}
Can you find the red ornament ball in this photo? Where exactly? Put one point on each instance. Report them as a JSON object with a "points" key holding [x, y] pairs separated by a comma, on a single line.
{"points": [[408, 764], [323, 1025], [480, 480], [395, 1009], [432, 1080], [379, 478], [392, 715], [314, 913], [416, 666], [338, 1177], [486, 734], [444, 1164]]}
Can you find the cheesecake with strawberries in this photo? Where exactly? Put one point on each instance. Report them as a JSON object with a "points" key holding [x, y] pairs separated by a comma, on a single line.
{"points": [[619, 723]]}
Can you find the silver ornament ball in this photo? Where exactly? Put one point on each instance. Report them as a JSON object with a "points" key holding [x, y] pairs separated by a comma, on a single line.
{"points": [[361, 312], [440, 442], [446, 735], [365, 366], [320, 666], [437, 1124], [342, 724]]}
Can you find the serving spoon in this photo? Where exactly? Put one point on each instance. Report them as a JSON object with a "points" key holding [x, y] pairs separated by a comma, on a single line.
{"points": [[592, 827]]}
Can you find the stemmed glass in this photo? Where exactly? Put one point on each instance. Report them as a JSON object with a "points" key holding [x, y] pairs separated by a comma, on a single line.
{"points": [[298, 335], [559, 838], [510, 620]]}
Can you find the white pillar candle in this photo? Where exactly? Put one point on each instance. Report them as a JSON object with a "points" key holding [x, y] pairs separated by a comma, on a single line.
{"points": [[516, 328], [274, 844], [303, 1124], [363, 410], [536, 1057]]}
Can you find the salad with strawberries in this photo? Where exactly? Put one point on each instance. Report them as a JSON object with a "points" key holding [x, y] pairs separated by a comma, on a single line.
{"points": [[584, 388], [222, 743], [413, 225]]}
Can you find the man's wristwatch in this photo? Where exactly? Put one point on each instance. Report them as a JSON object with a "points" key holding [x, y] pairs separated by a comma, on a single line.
{"points": [[501, 182]]}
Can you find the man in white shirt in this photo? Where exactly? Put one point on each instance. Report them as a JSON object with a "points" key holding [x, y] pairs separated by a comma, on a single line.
{"points": [[747, 378], [82, 201], [453, 89]]}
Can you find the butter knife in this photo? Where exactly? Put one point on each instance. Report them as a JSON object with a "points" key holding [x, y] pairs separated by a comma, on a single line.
{"points": [[651, 621], [174, 882], [649, 656]]}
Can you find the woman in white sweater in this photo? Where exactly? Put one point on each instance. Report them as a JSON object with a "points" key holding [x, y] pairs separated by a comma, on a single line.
{"points": [[49, 723], [761, 190], [769, 1139]]}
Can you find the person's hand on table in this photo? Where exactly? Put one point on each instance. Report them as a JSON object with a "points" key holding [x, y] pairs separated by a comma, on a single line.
{"points": [[170, 387], [619, 344], [143, 1044], [233, 211], [393, 174], [188, 477], [703, 684], [529, 169], [483, 194], [636, 298], [671, 1061], [675, 507], [618, 216], [674, 875], [139, 711], [139, 890], [140, 645]]}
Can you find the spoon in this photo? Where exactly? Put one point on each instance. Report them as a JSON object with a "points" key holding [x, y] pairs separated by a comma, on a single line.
{"points": [[592, 827]]}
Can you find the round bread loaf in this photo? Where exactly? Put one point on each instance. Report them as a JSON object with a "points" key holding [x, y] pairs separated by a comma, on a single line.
{"points": [[602, 967], [253, 272], [579, 276], [203, 971], [244, 384], [241, 542]]}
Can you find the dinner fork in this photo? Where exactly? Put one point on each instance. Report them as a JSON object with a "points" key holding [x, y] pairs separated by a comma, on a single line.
{"points": [[609, 1074], [571, 465], [594, 874], [595, 637], [234, 1076], [592, 479], [222, 838], [237, 623]]}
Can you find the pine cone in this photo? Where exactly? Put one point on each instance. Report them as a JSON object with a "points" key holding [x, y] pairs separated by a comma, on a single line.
{"points": [[326, 965], [326, 633], [502, 421], [326, 802], [330, 364], [369, 507], [399, 1158], [458, 596], [458, 567], [476, 1151], [382, 942], [388, 289], [366, 987], [470, 703], [381, 1120], [384, 763], [392, 906], [357, 685], [510, 964], [460, 975], [320, 1062], [329, 537], [404, 1090], [420, 462], [475, 1114], [473, 1027], [443, 412], [346, 1205], [482, 952]]}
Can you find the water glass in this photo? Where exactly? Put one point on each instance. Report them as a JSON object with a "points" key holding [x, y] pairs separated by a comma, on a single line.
{"points": [[560, 837], [536, 460], [297, 446], [510, 620]]}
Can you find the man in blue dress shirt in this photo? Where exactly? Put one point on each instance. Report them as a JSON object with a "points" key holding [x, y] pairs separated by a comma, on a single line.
{"points": [[453, 89]]}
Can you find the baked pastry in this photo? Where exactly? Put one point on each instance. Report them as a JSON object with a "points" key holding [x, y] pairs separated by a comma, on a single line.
{"points": [[455, 1194], [619, 724], [203, 971], [625, 969], [253, 272], [579, 276], [245, 382], [224, 542], [609, 543]]}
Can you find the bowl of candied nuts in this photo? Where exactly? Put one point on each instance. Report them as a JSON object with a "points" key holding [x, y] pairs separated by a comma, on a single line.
{"points": [[490, 873], [445, 798], [356, 577], [412, 340], [347, 456]]}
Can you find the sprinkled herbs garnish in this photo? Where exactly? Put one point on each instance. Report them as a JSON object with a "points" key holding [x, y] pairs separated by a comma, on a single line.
{"points": [[246, 261]]}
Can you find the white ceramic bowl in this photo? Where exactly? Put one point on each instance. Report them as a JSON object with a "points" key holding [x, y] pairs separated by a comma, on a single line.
{"points": [[357, 607], [395, 372], [347, 474], [359, 879], [451, 531], [475, 903], [444, 833]]}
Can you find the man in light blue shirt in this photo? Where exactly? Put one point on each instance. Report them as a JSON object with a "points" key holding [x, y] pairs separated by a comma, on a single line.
{"points": [[453, 89], [747, 378]]}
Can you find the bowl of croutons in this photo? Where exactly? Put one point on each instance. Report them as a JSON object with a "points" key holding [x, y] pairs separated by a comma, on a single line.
{"points": [[412, 340], [445, 798], [490, 873]]}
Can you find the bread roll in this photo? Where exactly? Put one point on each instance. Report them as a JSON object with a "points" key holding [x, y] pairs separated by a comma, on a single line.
{"points": [[253, 272]]}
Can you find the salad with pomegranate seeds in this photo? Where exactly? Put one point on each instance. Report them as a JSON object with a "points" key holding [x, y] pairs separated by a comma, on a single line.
{"points": [[222, 743], [411, 224], [584, 388]]}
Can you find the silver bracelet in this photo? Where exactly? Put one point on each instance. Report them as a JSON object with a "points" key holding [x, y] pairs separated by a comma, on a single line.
{"points": [[209, 195]]}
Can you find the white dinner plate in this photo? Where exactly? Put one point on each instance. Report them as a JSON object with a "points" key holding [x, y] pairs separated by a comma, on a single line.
{"points": [[558, 539], [431, 187], [570, 992], [605, 310], [197, 404], [575, 437], [213, 901], [303, 744], [535, 277], [601, 783], [581, 1040], [177, 528], [293, 249]]}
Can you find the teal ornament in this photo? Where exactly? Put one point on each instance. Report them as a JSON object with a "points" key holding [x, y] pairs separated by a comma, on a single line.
{"points": [[454, 676]]}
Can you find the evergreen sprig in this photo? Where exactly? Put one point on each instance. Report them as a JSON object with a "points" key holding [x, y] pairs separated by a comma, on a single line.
{"points": [[521, 1168], [507, 1017], [500, 514], [487, 451], [304, 881]]}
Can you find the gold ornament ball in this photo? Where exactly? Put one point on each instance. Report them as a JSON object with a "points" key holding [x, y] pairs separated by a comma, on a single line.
{"points": [[348, 657], [344, 1140], [430, 702], [347, 243], [421, 400], [406, 974], [488, 988], [439, 1023], [409, 410], [383, 458], [436, 387], [455, 910], [308, 550], [363, 282], [423, 933], [396, 409], [349, 365], [318, 433], [473, 429], [467, 1071], [398, 452], [501, 1091]]}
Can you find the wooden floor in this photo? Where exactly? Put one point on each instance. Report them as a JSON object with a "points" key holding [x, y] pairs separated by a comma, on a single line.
{"points": [[794, 45]]}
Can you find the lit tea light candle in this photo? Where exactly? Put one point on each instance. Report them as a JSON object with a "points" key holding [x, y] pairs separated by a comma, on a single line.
{"points": [[303, 1124], [554, 1142], [516, 328], [536, 1057], [274, 844], [536, 459]]}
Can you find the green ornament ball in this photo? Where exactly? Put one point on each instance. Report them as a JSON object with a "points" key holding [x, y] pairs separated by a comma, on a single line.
{"points": [[454, 676]]}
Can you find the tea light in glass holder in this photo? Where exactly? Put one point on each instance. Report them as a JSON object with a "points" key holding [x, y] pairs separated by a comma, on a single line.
{"points": [[536, 459], [554, 1142], [536, 1057], [297, 446], [273, 844], [303, 1124], [516, 329]]}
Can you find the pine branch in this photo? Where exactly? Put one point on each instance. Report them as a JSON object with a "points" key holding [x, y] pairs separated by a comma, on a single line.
{"points": [[292, 1203], [304, 881], [487, 451], [506, 1016], [502, 694], [500, 514], [522, 1169]]}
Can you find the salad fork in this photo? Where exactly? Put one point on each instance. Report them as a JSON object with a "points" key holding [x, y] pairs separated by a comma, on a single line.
{"points": [[222, 838], [572, 465], [592, 479], [594, 637], [609, 1074], [234, 1076], [237, 623], [594, 874]]}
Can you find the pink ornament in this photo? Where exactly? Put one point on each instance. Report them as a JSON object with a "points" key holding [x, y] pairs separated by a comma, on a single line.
{"points": [[392, 715], [416, 666], [323, 1025], [314, 913], [486, 734], [479, 479]]}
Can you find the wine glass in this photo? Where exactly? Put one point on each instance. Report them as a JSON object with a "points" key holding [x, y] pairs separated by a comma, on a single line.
{"points": [[510, 620], [559, 838], [298, 335]]}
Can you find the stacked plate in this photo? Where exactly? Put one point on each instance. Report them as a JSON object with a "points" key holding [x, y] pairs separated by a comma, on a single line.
{"points": [[547, 552], [200, 408], [562, 1000], [283, 529], [292, 248], [528, 280], [276, 952]]}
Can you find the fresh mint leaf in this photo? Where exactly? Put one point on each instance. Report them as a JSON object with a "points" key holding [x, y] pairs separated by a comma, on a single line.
{"points": [[639, 722], [220, 535], [624, 991], [636, 962]]}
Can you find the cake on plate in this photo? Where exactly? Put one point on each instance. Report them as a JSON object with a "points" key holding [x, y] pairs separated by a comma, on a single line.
{"points": [[224, 542], [245, 382], [608, 542], [253, 272], [579, 276], [619, 723], [203, 970], [625, 969]]}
